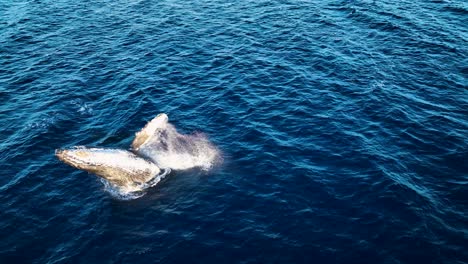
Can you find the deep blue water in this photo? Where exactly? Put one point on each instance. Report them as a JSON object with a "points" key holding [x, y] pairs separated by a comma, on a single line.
{"points": [[343, 127]]}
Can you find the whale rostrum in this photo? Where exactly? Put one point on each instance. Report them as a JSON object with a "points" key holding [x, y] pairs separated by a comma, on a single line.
{"points": [[120, 167]]}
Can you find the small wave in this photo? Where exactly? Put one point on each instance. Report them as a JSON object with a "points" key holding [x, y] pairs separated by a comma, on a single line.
{"points": [[457, 9], [44, 123], [82, 107], [126, 194]]}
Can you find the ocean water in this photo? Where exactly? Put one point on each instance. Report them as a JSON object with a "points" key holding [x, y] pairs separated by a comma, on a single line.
{"points": [[343, 127]]}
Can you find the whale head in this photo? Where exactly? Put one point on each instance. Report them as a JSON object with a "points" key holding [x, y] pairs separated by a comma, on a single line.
{"points": [[145, 134], [120, 167]]}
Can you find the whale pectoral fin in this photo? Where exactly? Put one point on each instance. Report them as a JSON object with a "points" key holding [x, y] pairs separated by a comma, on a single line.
{"points": [[148, 131]]}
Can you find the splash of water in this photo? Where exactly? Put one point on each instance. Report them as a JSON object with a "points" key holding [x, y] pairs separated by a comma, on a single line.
{"points": [[170, 149]]}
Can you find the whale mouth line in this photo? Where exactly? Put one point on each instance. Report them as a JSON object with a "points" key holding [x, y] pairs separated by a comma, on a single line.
{"points": [[65, 156]]}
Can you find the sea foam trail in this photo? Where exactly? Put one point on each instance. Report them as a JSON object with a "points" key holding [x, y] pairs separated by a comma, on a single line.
{"points": [[170, 149]]}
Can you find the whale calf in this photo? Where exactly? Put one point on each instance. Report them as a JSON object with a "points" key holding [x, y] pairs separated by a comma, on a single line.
{"points": [[158, 145]]}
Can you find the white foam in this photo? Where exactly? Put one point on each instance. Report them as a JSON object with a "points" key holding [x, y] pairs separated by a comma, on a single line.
{"points": [[169, 149]]}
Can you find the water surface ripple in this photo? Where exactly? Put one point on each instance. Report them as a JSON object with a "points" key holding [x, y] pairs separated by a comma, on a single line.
{"points": [[343, 127]]}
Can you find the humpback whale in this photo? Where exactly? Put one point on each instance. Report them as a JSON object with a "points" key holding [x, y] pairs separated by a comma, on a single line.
{"points": [[120, 167], [156, 146]]}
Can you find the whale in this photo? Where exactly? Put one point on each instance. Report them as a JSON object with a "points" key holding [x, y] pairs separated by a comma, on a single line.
{"points": [[122, 168], [156, 147]]}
